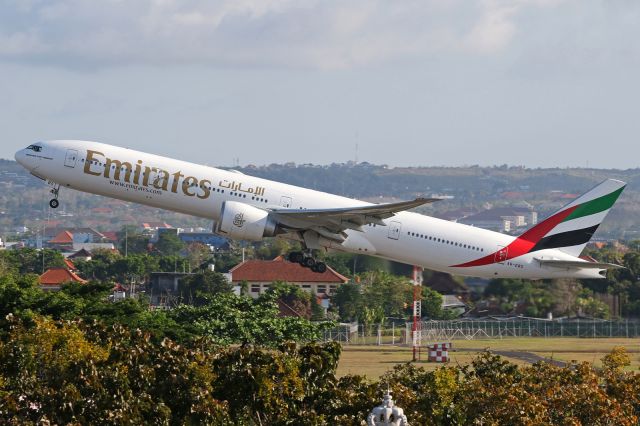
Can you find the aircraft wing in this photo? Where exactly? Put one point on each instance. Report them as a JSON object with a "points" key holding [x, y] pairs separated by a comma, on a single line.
{"points": [[577, 264], [332, 223]]}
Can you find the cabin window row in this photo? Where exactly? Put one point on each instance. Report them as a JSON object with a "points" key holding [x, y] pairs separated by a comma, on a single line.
{"points": [[443, 241]]}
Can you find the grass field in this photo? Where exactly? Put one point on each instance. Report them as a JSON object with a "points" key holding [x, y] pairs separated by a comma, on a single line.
{"points": [[373, 361]]}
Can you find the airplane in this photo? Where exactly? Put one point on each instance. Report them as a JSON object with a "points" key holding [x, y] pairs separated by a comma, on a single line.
{"points": [[248, 208]]}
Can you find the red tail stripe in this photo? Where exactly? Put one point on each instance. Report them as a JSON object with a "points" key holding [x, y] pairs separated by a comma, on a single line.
{"points": [[524, 242]]}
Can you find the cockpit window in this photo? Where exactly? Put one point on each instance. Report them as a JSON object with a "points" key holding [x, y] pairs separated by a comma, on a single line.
{"points": [[35, 148]]}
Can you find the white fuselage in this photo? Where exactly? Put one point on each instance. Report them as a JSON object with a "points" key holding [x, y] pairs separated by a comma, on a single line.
{"points": [[201, 191]]}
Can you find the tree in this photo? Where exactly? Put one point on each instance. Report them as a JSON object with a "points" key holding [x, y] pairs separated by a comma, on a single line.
{"points": [[197, 254], [169, 244], [196, 289], [29, 260], [132, 240], [347, 300], [71, 372], [292, 296], [67, 372], [230, 319], [271, 248], [536, 298], [387, 292], [431, 304]]}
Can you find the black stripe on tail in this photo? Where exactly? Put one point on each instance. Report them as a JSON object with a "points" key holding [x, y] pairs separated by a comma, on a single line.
{"points": [[565, 239]]}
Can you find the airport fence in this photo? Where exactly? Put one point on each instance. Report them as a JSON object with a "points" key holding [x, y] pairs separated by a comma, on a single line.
{"points": [[471, 329], [526, 327], [371, 334]]}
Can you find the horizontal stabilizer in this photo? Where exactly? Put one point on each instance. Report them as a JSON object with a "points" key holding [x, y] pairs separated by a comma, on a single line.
{"points": [[577, 264]]}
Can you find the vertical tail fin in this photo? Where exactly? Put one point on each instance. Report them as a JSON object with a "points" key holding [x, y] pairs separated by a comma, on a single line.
{"points": [[571, 227]]}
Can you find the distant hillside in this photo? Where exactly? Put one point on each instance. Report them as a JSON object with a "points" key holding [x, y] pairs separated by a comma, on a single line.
{"points": [[23, 198]]}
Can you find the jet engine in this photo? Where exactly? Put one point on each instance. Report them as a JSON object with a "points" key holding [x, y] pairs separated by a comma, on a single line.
{"points": [[240, 221]]}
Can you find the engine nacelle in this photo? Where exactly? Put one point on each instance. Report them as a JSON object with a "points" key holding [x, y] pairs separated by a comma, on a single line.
{"points": [[240, 221]]}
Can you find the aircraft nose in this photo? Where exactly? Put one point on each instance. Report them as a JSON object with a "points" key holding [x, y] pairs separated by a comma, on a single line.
{"points": [[23, 159], [20, 157]]}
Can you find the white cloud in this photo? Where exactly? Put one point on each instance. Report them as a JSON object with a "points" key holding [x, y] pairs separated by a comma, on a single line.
{"points": [[282, 33]]}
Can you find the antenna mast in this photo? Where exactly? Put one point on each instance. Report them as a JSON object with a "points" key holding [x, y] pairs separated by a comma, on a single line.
{"points": [[416, 329]]}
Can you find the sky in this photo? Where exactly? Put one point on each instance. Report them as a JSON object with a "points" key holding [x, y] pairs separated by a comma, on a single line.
{"points": [[539, 83]]}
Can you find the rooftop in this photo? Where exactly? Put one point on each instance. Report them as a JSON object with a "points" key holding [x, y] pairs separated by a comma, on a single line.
{"points": [[279, 269], [57, 276], [63, 237]]}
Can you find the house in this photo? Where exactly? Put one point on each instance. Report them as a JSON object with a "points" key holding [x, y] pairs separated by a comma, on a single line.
{"points": [[259, 274], [82, 254], [455, 215], [79, 234], [444, 284], [502, 219], [454, 294], [118, 293], [63, 241], [111, 236], [151, 228], [207, 238], [73, 239], [163, 288], [69, 264], [53, 278]]}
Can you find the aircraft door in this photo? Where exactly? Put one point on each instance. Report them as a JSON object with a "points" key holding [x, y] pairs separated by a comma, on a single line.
{"points": [[71, 158], [286, 202], [502, 254], [394, 230]]}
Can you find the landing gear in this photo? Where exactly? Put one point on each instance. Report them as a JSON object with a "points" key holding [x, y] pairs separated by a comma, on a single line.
{"points": [[307, 260], [296, 257], [319, 267], [54, 203]]}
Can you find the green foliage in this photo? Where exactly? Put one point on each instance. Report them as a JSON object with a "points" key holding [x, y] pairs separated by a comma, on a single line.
{"points": [[198, 255], [106, 265], [432, 304], [388, 292], [29, 261], [169, 244], [347, 300], [196, 289], [536, 297], [378, 295], [270, 248], [132, 241], [75, 372], [494, 391], [347, 264], [227, 260], [230, 319], [617, 359], [292, 296]]}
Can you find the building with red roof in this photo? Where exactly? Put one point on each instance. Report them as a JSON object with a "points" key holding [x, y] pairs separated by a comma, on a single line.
{"points": [[111, 236], [53, 278], [69, 264], [64, 237], [154, 226], [259, 274]]}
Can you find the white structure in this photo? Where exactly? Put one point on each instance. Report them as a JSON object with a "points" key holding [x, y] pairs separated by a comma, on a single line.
{"points": [[387, 414]]}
